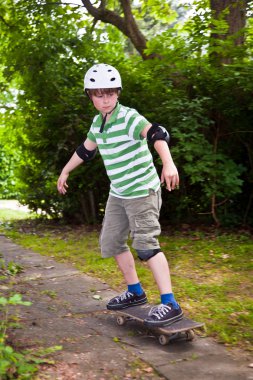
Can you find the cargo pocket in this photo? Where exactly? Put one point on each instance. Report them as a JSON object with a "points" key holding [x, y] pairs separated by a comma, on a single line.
{"points": [[146, 220], [146, 230]]}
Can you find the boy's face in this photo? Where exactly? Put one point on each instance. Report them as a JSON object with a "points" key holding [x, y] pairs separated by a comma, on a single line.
{"points": [[104, 101]]}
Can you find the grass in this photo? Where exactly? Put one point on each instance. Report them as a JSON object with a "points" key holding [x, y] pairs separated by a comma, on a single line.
{"points": [[211, 271], [7, 215]]}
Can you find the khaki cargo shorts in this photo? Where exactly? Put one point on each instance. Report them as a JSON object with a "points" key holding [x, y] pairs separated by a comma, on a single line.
{"points": [[139, 217]]}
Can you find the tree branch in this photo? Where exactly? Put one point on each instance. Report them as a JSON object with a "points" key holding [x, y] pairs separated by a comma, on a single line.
{"points": [[133, 31], [127, 24]]}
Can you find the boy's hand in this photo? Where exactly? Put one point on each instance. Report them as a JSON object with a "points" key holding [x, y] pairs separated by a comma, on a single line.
{"points": [[170, 176], [62, 183]]}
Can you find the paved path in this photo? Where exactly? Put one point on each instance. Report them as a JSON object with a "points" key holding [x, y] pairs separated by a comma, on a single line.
{"points": [[12, 204], [65, 312]]}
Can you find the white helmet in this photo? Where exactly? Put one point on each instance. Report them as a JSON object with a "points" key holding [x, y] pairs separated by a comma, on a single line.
{"points": [[102, 76]]}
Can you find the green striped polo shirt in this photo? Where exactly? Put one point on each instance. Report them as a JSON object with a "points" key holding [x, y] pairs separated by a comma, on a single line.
{"points": [[127, 159]]}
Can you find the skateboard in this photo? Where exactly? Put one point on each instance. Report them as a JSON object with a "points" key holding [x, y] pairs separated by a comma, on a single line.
{"points": [[182, 329]]}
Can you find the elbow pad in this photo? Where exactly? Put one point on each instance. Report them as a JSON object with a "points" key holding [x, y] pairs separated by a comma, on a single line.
{"points": [[85, 154], [157, 132]]}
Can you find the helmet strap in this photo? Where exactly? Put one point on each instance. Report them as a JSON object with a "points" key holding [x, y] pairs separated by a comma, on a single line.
{"points": [[87, 93], [105, 117]]}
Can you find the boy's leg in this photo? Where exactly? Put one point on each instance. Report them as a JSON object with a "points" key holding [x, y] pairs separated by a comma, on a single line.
{"points": [[113, 238], [145, 227], [143, 214], [126, 264], [134, 295], [168, 311], [161, 272]]}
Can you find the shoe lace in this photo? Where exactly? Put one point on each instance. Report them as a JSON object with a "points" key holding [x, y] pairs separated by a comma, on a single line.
{"points": [[159, 311], [124, 296]]}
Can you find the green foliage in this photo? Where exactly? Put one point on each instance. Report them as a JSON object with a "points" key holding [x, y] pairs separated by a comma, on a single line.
{"points": [[206, 107], [11, 269], [16, 299], [8, 163], [205, 172], [12, 364], [22, 366]]}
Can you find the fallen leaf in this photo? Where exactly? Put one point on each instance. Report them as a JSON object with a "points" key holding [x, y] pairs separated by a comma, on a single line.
{"points": [[97, 297]]}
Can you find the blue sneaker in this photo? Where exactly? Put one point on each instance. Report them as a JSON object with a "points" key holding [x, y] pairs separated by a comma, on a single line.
{"points": [[126, 299], [163, 315]]}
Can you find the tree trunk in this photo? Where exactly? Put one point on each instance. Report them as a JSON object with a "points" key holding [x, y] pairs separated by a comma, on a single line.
{"points": [[92, 206], [234, 13]]}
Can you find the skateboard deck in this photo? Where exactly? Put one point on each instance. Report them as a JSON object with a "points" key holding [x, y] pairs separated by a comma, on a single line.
{"points": [[182, 329]]}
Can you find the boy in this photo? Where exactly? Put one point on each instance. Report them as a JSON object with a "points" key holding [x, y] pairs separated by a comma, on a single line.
{"points": [[121, 135]]}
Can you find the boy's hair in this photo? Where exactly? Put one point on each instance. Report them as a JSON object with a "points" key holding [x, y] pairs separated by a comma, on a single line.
{"points": [[102, 91]]}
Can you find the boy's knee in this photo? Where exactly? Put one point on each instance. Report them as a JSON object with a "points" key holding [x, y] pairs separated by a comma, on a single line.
{"points": [[146, 254]]}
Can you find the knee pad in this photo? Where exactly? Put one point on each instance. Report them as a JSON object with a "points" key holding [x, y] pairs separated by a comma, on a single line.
{"points": [[146, 254]]}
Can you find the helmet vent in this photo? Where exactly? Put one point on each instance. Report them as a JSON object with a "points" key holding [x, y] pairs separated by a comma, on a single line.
{"points": [[112, 79], [92, 80]]}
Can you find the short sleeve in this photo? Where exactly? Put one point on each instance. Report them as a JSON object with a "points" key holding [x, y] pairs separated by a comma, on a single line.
{"points": [[91, 136], [136, 123]]}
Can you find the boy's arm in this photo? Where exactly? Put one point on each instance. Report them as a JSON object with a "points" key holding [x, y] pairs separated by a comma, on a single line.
{"points": [[169, 172], [73, 163]]}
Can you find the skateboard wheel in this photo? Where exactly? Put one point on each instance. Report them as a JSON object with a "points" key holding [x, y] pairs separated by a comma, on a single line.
{"points": [[190, 335], [163, 339], [121, 320]]}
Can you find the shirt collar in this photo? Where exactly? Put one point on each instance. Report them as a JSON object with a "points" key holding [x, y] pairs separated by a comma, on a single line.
{"points": [[112, 119]]}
